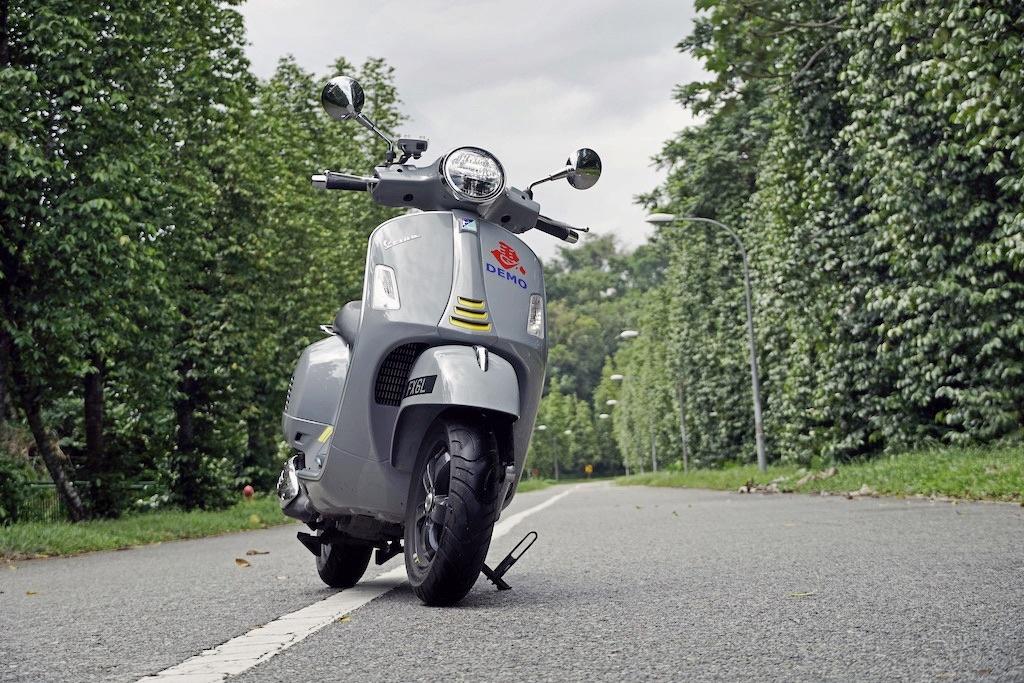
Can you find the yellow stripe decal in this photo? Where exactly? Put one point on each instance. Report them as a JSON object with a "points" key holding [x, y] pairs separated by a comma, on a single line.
{"points": [[462, 312], [471, 303], [326, 434], [476, 327]]}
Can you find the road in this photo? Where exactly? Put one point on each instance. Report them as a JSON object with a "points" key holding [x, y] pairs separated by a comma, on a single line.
{"points": [[624, 584]]}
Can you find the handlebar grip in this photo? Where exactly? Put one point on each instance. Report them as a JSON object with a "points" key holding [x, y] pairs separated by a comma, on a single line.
{"points": [[330, 180], [557, 229]]}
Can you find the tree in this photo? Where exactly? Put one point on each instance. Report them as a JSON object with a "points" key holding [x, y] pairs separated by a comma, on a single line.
{"points": [[868, 153], [79, 184], [163, 258]]}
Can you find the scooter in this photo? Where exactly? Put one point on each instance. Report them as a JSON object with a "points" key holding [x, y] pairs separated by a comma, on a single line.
{"points": [[410, 421]]}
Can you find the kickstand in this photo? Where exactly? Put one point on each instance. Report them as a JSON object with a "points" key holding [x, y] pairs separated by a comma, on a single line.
{"points": [[494, 575]]}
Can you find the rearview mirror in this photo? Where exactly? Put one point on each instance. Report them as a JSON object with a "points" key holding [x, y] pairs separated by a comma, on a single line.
{"points": [[342, 98], [586, 168], [582, 170]]}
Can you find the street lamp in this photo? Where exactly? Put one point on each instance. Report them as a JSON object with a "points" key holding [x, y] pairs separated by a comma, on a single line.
{"points": [[541, 428], [603, 416], [568, 433], [669, 219], [617, 378], [629, 334], [611, 402]]}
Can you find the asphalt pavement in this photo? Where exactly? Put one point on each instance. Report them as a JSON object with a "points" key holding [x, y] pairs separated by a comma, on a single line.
{"points": [[624, 583]]}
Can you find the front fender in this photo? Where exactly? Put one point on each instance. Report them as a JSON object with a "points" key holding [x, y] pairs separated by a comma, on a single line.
{"points": [[446, 377], [452, 376]]}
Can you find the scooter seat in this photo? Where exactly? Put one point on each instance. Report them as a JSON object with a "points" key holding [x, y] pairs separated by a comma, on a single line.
{"points": [[346, 322]]}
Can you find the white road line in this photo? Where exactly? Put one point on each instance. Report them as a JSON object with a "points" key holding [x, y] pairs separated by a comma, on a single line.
{"points": [[260, 644]]}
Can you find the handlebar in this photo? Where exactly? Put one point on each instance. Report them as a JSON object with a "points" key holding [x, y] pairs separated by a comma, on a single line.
{"points": [[557, 229], [330, 180]]}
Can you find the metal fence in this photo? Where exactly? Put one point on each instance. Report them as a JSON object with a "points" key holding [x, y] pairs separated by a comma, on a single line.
{"points": [[44, 504]]}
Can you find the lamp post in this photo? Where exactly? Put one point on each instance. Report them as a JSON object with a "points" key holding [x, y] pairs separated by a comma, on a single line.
{"points": [[682, 428], [654, 449], [670, 219], [568, 433], [541, 428]]}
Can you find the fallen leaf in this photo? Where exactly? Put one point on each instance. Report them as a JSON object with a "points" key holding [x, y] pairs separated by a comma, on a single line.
{"points": [[817, 476], [345, 619], [31, 593], [257, 552], [639, 508], [863, 491], [803, 594], [242, 563], [675, 513], [282, 578]]}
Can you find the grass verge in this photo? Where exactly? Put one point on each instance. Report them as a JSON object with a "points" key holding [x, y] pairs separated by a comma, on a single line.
{"points": [[42, 539], [995, 473], [534, 484]]}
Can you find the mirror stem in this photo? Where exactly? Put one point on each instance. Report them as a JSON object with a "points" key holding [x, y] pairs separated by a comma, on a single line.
{"points": [[564, 173], [368, 124]]}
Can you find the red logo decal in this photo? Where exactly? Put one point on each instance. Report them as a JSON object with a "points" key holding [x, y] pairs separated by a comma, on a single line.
{"points": [[507, 257]]}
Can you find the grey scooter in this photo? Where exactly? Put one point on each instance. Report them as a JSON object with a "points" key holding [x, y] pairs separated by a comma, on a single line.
{"points": [[410, 420]]}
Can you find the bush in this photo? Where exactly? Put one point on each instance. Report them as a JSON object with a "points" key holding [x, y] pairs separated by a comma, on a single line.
{"points": [[14, 475]]}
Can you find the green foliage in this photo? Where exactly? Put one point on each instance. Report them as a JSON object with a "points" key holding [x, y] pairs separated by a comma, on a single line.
{"points": [[161, 244], [13, 494], [869, 155], [594, 291]]}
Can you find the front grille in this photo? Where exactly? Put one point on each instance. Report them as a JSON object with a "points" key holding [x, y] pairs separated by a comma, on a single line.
{"points": [[394, 374], [288, 396]]}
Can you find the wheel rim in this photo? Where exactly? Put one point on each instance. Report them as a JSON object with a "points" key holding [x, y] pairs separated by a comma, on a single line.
{"points": [[432, 506]]}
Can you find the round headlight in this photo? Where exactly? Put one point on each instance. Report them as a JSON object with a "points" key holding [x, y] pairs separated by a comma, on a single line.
{"points": [[474, 174]]}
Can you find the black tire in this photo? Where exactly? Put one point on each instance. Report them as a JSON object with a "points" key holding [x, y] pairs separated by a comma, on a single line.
{"points": [[341, 564], [446, 541]]}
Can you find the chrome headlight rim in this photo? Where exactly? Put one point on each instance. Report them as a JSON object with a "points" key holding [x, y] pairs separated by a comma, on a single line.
{"points": [[446, 172]]}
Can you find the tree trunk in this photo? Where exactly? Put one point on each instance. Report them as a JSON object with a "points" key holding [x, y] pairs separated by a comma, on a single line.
{"points": [[5, 53], [186, 477], [94, 447], [106, 496], [52, 456], [3, 387]]}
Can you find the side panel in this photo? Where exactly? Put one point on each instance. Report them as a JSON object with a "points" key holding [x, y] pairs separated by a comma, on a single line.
{"points": [[317, 383]]}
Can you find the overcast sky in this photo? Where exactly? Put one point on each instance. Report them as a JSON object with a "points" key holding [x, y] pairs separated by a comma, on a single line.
{"points": [[529, 81]]}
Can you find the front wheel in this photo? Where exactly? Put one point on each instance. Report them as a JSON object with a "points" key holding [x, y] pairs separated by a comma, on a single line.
{"points": [[450, 511]]}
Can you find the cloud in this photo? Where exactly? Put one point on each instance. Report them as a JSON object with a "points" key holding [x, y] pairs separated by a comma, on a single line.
{"points": [[529, 81]]}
